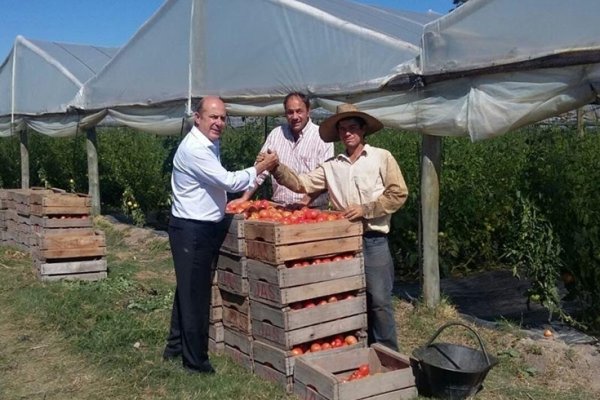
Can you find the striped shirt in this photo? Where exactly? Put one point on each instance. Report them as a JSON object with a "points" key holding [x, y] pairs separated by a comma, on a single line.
{"points": [[302, 156]]}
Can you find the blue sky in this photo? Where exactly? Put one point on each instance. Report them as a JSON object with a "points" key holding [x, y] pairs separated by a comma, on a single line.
{"points": [[112, 23]]}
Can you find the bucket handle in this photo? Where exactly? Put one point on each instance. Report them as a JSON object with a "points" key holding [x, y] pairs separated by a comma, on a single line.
{"points": [[435, 335]]}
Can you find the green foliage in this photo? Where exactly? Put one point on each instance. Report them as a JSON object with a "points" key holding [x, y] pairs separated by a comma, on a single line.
{"points": [[535, 252], [478, 183]]}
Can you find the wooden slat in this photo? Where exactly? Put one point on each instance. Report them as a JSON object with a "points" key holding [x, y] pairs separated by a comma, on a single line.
{"points": [[280, 297], [294, 319], [233, 283], [234, 319], [70, 240], [271, 374], [286, 340], [239, 357], [216, 331], [233, 300], [233, 263], [235, 224], [92, 276], [287, 234], [287, 277], [40, 210], [71, 267], [239, 340], [279, 254], [234, 245], [80, 221]]}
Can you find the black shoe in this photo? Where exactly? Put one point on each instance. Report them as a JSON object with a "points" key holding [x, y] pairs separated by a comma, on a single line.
{"points": [[204, 368]]}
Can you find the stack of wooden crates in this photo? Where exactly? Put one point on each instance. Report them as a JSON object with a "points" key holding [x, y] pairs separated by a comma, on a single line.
{"points": [[56, 228], [232, 271], [263, 292]]}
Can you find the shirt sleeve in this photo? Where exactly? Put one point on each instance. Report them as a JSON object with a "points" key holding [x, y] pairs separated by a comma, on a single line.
{"points": [[309, 183], [395, 193], [266, 146], [207, 168]]}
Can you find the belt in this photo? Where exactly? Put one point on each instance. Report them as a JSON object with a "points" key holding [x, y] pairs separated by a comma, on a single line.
{"points": [[374, 234]]}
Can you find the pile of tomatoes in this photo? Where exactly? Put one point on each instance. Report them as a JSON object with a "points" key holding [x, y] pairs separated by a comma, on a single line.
{"points": [[321, 301], [332, 342], [264, 210], [362, 372]]}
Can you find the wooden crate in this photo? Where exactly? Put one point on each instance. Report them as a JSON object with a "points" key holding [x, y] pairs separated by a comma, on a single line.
{"points": [[280, 234], [276, 243], [215, 347], [239, 357], [235, 224], [239, 340], [266, 371], [280, 286], [216, 314], [233, 283], [68, 245], [234, 245], [87, 276], [216, 332], [279, 337], [283, 360], [215, 296], [290, 320], [237, 320], [320, 375], [233, 263]]}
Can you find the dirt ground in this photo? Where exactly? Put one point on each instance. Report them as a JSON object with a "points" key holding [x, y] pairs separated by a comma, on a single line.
{"points": [[490, 299]]}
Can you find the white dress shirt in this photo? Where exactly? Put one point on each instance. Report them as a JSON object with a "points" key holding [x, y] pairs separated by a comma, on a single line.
{"points": [[199, 181]]}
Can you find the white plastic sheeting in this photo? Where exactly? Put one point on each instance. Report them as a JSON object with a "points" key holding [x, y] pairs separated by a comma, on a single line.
{"points": [[39, 78], [252, 53], [484, 69]]}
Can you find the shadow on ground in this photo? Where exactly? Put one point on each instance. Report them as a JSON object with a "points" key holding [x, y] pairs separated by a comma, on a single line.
{"points": [[490, 297]]}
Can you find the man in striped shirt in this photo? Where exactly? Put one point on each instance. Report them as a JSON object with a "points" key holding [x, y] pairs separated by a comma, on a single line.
{"points": [[298, 146]]}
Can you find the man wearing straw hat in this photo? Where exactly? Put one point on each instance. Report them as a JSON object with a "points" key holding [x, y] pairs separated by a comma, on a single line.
{"points": [[366, 183]]}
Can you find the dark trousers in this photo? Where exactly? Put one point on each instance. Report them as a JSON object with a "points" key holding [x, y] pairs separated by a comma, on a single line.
{"points": [[379, 271], [194, 246]]}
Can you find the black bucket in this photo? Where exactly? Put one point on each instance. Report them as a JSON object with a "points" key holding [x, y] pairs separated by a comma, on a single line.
{"points": [[451, 371]]}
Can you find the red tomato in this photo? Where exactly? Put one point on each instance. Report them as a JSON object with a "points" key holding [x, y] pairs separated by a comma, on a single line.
{"points": [[321, 302], [350, 340], [332, 299], [315, 347], [296, 351], [325, 346], [312, 214], [338, 258], [309, 304], [364, 369]]}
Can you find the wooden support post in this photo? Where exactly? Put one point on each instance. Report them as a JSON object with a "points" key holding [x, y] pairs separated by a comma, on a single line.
{"points": [[93, 180], [431, 154], [266, 126], [580, 124], [24, 159]]}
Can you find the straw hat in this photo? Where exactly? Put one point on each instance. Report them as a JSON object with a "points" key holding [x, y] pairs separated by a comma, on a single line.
{"points": [[328, 128]]}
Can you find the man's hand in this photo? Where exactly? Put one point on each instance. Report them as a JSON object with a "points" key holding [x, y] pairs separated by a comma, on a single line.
{"points": [[268, 161], [235, 203], [354, 212]]}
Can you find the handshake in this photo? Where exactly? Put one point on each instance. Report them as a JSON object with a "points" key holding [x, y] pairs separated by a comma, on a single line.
{"points": [[266, 161]]}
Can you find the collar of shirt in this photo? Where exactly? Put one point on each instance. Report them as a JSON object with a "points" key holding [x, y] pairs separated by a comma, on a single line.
{"points": [[287, 131], [346, 158], [215, 146]]}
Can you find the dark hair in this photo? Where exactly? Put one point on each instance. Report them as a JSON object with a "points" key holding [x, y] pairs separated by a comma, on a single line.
{"points": [[299, 95], [359, 120]]}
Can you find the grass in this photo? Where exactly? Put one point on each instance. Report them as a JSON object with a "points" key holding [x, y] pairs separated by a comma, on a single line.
{"points": [[104, 339]]}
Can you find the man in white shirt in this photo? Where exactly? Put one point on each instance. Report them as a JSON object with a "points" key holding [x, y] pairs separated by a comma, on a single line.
{"points": [[200, 185], [298, 146]]}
